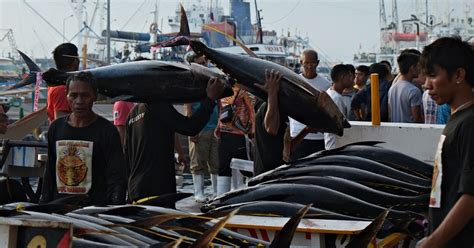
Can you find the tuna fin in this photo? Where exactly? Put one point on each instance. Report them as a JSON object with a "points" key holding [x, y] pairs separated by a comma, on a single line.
{"points": [[210, 234], [174, 244], [183, 24], [366, 236], [32, 66], [285, 235], [163, 200]]}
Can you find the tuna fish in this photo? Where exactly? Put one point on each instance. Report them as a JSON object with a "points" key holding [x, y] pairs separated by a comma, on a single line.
{"points": [[368, 178], [362, 192], [142, 81], [296, 97], [382, 155], [353, 162], [314, 107], [278, 209], [321, 197]]}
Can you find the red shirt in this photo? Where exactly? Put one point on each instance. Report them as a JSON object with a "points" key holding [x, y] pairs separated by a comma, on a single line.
{"points": [[121, 110], [57, 101]]}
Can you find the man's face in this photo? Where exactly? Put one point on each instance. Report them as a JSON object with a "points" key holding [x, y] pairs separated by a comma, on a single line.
{"points": [[309, 63], [360, 77], [3, 121], [81, 97], [440, 86], [348, 80]]}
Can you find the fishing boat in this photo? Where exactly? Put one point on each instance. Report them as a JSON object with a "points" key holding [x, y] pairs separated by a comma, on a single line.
{"points": [[417, 31]]}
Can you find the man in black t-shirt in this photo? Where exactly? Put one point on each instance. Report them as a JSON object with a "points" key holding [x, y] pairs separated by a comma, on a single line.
{"points": [[270, 126], [448, 64], [85, 154], [149, 142]]}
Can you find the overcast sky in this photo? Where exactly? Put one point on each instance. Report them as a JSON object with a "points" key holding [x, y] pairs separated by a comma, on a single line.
{"points": [[336, 28]]}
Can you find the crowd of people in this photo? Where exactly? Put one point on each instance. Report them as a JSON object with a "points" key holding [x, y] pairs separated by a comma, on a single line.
{"points": [[136, 160]]}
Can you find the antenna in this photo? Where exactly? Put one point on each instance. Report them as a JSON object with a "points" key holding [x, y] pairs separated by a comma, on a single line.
{"points": [[383, 16]]}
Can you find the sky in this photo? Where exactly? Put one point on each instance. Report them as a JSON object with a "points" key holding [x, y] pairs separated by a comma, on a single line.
{"points": [[337, 29]]}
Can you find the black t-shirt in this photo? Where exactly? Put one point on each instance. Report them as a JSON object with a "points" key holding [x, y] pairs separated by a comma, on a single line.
{"points": [[87, 160], [149, 145], [457, 177], [268, 148]]}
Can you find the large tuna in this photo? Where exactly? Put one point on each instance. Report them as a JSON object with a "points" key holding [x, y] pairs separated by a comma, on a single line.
{"points": [[296, 97], [362, 192], [382, 155], [142, 81], [368, 178]]}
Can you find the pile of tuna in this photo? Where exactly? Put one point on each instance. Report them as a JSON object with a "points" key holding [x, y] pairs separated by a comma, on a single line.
{"points": [[354, 182], [138, 226]]}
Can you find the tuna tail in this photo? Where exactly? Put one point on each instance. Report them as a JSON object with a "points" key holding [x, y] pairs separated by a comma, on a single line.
{"points": [[32, 67], [366, 236], [285, 235], [183, 24], [183, 37]]}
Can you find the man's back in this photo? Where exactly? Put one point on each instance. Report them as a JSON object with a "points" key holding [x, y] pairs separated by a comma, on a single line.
{"points": [[149, 145], [403, 96], [57, 101]]}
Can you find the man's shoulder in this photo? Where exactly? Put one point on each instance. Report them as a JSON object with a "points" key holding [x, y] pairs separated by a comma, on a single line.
{"points": [[60, 89], [120, 105], [59, 122]]}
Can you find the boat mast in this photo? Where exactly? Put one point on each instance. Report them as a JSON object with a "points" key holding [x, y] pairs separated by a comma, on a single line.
{"points": [[259, 24]]}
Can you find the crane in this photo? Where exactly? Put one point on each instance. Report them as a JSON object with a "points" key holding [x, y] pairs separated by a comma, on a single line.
{"points": [[11, 39]]}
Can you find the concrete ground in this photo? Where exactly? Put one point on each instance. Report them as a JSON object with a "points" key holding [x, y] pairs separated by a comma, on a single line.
{"points": [[188, 204]]}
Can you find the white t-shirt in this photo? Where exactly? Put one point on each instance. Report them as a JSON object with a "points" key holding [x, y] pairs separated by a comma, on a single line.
{"points": [[322, 84], [344, 105]]}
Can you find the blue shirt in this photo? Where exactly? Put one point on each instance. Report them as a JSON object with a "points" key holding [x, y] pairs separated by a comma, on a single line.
{"points": [[212, 123], [444, 111]]}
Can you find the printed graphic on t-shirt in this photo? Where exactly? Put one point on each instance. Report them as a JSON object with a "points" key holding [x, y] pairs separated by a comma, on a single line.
{"points": [[435, 198], [116, 115], [74, 166]]}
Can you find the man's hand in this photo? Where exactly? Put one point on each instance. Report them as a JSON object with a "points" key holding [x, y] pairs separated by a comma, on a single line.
{"points": [[272, 82], [215, 88]]}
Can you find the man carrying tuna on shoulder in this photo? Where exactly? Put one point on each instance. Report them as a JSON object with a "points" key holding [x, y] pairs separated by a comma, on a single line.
{"points": [[149, 142], [85, 153]]}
